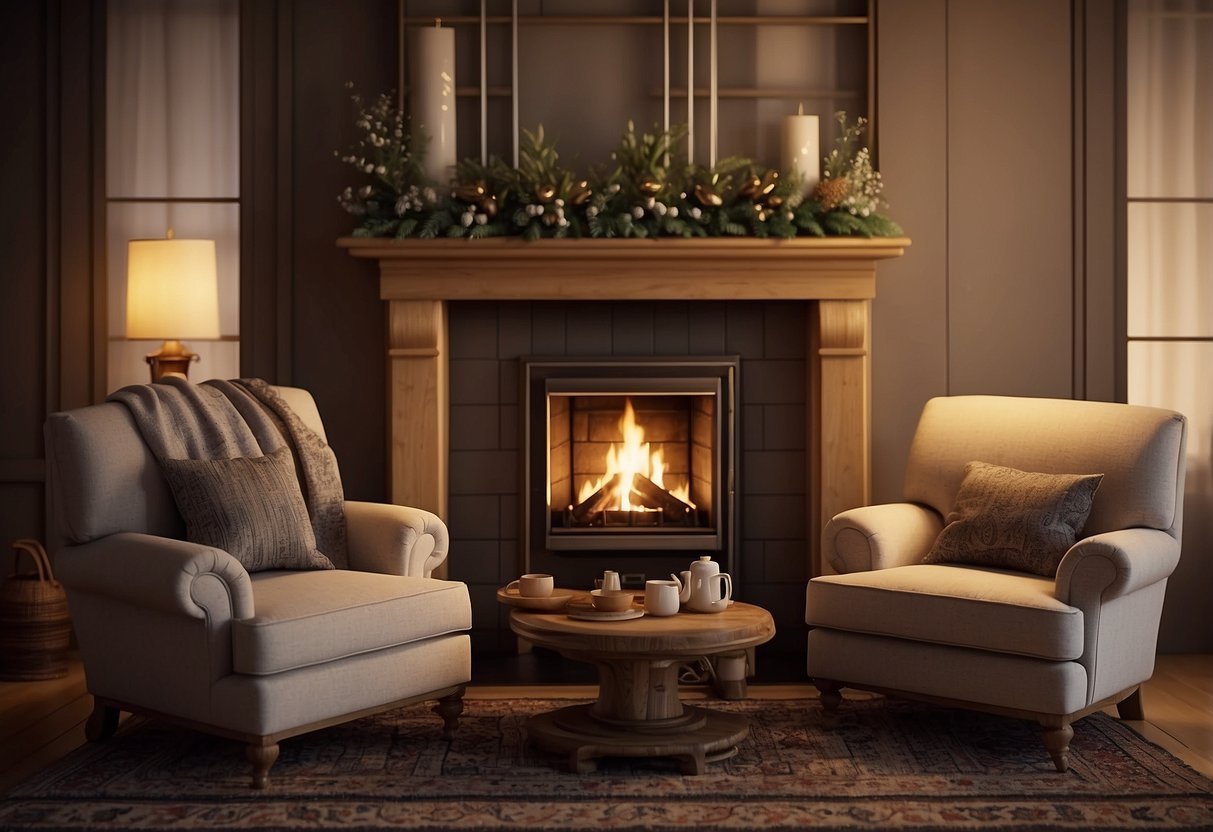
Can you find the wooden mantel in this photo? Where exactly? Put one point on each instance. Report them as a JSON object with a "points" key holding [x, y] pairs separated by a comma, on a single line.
{"points": [[837, 276]]}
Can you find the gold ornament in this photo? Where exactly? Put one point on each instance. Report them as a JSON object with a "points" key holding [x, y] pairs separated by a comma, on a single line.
{"points": [[545, 193], [649, 186], [758, 188], [707, 197], [476, 194], [580, 192]]}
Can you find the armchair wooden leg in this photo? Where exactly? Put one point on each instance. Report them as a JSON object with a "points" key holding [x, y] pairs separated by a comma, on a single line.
{"points": [[449, 708], [102, 722], [1131, 706], [831, 693], [1057, 741], [262, 757]]}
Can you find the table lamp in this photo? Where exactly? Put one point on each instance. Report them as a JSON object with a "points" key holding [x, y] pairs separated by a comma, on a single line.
{"points": [[172, 293]]}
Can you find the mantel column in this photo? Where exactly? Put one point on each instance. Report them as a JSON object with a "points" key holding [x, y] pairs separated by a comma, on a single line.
{"points": [[417, 403], [839, 413]]}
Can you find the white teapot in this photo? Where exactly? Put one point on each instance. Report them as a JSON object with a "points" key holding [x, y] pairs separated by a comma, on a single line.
{"points": [[705, 588]]}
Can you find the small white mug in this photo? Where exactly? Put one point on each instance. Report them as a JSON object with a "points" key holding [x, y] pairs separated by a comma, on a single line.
{"points": [[534, 585], [610, 580], [661, 597]]}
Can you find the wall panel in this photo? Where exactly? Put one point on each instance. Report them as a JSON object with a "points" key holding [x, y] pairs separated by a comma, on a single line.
{"points": [[1010, 203], [910, 313]]}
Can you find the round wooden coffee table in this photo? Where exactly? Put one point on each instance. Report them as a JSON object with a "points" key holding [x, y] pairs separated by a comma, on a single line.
{"points": [[638, 712]]}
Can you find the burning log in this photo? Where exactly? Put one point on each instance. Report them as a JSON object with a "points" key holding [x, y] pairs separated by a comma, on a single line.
{"points": [[652, 497], [584, 512]]}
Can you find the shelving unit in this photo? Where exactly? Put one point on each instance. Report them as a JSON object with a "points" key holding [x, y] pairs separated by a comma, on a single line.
{"points": [[728, 57]]}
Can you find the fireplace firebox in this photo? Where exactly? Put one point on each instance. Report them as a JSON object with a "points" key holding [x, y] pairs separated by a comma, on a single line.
{"points": [[629, 463]]}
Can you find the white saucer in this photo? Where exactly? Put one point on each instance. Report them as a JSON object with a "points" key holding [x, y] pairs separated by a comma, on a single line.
{"points": [[558, 600]]}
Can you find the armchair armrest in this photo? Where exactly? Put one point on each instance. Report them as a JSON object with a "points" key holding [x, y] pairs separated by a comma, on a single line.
{"points": [[879, 537], [394, 540], [1114, 564], [158, 573]]}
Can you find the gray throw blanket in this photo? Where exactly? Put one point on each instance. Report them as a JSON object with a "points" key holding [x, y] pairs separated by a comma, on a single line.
{"points": [[242, 418]]}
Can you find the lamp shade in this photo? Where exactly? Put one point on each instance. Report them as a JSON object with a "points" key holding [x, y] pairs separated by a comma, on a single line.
{"points": [[172, 289]]}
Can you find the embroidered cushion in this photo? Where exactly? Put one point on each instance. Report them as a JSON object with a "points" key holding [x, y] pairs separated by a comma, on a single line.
{"points": [[1013, 519], [251, 507]]}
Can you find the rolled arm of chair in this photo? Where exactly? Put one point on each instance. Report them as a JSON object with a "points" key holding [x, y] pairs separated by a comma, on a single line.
{"points": [[395, 540], [158, 573], [879, 537], [1113, 564]]}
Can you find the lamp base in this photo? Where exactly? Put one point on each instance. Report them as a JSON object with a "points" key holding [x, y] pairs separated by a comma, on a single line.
{"points": [[171, 359]]}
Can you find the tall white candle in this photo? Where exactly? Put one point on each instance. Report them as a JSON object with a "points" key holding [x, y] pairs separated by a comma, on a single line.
{"points": [[432, 98], [801, 148]]}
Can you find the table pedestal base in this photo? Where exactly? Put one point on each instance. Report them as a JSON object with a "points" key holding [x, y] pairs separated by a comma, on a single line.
{"points": [[698, 737]]}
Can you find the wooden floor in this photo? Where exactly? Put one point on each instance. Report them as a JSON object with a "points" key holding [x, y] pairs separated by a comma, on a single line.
{"points": [[42, 721]]}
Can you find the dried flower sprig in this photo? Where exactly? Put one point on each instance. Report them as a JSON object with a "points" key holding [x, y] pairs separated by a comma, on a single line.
{"points": [[395, 194]]}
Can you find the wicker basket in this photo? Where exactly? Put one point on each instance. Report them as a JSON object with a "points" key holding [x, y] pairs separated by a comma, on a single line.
{"points": [[35, 630]]}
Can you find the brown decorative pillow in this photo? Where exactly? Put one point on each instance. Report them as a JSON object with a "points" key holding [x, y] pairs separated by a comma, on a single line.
{"points": [[251, 507], [1015, 519]]}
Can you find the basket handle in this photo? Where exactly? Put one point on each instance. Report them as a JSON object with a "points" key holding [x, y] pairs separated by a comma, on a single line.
{"points": [[36, 552]]}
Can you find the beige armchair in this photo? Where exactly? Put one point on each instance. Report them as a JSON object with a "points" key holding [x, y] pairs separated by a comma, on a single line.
{"points": [[1042, 647], [182, 631]]}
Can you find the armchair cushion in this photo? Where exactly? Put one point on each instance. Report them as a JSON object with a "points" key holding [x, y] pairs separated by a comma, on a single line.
{"points": [[1014, 519], [958, 606], [309, 618], [250, 507]]}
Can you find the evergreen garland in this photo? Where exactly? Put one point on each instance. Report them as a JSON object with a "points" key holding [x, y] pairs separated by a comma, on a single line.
{"points": [[648, 192]]}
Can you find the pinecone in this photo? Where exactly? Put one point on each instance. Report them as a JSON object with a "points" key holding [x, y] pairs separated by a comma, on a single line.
{"points": [[830, 192]]}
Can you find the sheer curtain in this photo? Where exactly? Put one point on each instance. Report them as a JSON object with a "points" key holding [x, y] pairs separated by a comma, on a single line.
{"points": [[172, 157], [1170, 262]]}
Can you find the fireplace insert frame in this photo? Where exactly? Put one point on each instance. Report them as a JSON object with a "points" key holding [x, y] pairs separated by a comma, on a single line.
{"points": [[546, 550]]}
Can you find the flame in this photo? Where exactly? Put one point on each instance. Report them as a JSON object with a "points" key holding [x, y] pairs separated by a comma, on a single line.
{"points": [[629, 459]]}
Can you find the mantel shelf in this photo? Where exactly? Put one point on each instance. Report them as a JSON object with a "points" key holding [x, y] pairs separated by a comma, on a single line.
{"points": [[831, 268]]}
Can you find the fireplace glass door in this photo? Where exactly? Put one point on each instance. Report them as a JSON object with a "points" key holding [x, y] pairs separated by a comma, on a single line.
{"points": [[630, 456]]}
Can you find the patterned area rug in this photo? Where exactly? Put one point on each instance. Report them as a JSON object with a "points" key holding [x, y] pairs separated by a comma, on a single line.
{"points": [[874, 764]]}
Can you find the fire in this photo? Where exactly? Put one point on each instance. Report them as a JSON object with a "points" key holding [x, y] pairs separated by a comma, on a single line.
{"points": [[630, 459]]}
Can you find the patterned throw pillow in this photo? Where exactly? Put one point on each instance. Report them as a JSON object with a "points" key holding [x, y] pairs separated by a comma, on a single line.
{"points": [[251, 507], [1015, 519]]}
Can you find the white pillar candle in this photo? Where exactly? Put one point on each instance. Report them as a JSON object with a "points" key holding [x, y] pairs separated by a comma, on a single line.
{"points": [[432, 98], [801, 153]]}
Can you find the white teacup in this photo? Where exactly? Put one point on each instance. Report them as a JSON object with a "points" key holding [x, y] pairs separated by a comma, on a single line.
{"points": [[661, 597], [534, 585]]}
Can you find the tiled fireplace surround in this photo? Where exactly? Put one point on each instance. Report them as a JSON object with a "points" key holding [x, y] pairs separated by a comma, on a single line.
{"points": [[461, 316]]}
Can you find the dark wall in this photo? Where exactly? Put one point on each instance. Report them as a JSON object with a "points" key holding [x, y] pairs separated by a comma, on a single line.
{"points": [[23, 285], [49, 291], [337, 318]]}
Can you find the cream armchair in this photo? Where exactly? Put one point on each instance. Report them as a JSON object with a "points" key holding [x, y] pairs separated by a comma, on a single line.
{"points": [[182, 631], [1050, 649]]}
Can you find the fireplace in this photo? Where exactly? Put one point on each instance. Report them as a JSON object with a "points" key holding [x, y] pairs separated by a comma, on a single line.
{"points": [[632, 456], [825, 285]]}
